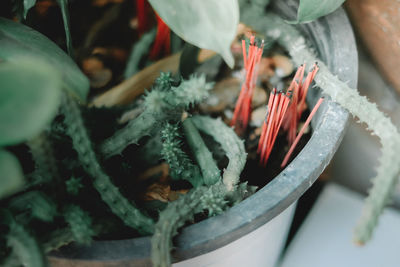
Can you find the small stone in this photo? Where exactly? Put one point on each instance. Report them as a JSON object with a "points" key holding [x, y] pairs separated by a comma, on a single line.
{"points": [[222, 96], [283, 65], [259, 97], [258, 117]]}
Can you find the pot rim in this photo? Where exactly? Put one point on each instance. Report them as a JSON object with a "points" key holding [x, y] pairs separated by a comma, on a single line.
{"points": [[329, 123]]}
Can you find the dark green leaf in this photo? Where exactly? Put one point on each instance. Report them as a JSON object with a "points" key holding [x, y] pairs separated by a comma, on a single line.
{"points": [[11, 176], [65, 14], [17, 40], [27, 5], [310, 10], [208, 24], [29, 97]]}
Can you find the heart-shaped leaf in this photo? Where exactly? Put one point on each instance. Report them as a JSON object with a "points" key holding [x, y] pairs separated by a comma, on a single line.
{"points": [[209, 24], [310, 10], [11, 176], [17, 40], [30, 94]]}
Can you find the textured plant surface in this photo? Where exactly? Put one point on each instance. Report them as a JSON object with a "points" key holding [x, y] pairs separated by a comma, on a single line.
{"points": [[101, 181], [231, 144], [180, 165], [25, 248], [80, 223], [160, 104], [213, 199], [203, 156], [359, 106]]}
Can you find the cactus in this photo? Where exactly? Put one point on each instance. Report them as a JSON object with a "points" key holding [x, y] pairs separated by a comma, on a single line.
{"points": [[203, 156], [387, 173], [175, 215], [80, 223], [214, 198], [73, 185], [230, 142], [42, 152], [40, 206], [109, 193], [160, 105], [25, 249], [180, 165]]}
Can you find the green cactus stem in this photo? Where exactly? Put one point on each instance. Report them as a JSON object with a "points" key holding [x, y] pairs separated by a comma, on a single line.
{"points": [[80, 223], [25, 249], [159, 105], [180, 165], [64, 236], [40, 206], [177, 213], [387, 173], [203, 156], [109, 193], [214, 198], [42, 153], [230, 142]]}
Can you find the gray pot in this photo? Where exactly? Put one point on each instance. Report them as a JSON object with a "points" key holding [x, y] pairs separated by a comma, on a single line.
{"points": [[333, 39]]}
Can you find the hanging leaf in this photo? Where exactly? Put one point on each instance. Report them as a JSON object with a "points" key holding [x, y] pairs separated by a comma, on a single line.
{"points": [[30, 94], [208, 24], [65, 14], [27, 5], [310, 10], [11, 176], [19, 41]]}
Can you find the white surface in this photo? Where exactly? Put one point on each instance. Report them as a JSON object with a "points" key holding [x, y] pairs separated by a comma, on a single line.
{"points": [[260, 248], [325, 238]]}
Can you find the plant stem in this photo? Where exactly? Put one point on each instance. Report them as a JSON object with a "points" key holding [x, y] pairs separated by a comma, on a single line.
{"points": [[24, 247], [42, 153], [203, 156], [177, 213], [230, 142], [359, 106], [110, 194], [80, 224], [180, 165], [160, 105]]}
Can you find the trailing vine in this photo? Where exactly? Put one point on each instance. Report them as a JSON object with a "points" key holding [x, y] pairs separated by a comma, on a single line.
{"points": [[110, 194]]}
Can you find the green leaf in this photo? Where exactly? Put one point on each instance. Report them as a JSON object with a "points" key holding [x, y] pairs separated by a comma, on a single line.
{"points": [[208, 24], [17, 40], [65, 14], [30, 94], [11, 176], [27, 5], [310, 10]]}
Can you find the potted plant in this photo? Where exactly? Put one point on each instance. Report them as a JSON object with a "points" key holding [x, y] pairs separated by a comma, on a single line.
{"points": [[164, 103]]}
